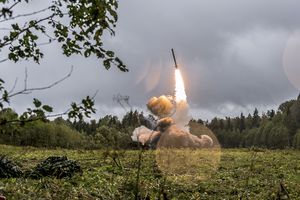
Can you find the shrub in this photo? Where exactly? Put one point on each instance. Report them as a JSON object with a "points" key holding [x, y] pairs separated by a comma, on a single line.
{"points": [[41, 134], [296, 140]]}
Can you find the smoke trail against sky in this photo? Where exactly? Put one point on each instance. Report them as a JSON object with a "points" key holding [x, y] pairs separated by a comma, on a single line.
{"points": [[178, 152]]}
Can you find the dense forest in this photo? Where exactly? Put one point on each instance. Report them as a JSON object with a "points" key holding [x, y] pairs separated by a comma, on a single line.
{"points": [[273, 129]]}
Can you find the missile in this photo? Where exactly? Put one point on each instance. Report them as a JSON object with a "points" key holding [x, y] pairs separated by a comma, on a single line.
{"points": [[174, 59]]}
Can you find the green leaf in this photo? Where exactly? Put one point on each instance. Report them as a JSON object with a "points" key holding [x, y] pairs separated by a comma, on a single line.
{"points": [[61, 39], [34, 37], [106, 63], [47, 108], [5, 96], [37, 103], [12, 56], [15, 26], [110, 53]]}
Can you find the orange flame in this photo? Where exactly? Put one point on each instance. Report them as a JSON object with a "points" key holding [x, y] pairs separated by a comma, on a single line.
{"points": [[180, 94]]}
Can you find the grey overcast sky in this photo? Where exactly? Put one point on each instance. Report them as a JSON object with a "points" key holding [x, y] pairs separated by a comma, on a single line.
{"points": [[234, 55]]}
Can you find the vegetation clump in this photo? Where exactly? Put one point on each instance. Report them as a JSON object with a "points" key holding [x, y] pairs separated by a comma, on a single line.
{"points": [[55, 166], [9, 169]]}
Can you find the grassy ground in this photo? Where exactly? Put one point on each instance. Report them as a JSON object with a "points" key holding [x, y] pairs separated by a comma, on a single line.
{"points": [[237, 174]]}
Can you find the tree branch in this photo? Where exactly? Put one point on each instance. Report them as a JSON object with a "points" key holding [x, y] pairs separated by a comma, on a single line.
{"points": [[68, 110], [30, 90], [18, 121], [8, 42], [14, 86], [3, 60], [12, 6], [25, 15]]}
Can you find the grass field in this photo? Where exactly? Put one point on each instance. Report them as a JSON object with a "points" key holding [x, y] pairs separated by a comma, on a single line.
{"points": [[239, 174]]}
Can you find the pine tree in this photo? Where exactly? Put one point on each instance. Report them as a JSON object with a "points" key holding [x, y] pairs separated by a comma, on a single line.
{"points": [[242, 123], [255, 119], [228, 124], [249, 121]]}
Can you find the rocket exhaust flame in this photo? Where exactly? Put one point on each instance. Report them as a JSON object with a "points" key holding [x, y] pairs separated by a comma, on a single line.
{"points": [[180, 94], [184, 149]]}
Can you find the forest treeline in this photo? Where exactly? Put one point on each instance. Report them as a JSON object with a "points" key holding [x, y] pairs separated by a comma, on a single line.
{"points": [[272, 129]]}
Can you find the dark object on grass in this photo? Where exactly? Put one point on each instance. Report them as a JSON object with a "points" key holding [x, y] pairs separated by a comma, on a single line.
{"points": [[8, 169], [59, 167]]}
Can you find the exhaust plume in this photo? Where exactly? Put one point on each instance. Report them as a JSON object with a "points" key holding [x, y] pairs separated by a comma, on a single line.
{"points": [[172, 128], [181, 116], [161, 107], [178, 152], [180, 94]]}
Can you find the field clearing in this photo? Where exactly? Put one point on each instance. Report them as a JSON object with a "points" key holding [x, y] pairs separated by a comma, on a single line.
{"points": [[240, 174]]}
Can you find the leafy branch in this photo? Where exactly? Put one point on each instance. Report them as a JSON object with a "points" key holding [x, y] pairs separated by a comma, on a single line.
{"points": [[43, 112], [77, 25], [7, 95]]}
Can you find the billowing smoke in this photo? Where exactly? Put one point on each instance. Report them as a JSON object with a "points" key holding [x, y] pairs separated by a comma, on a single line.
{"points": [[174, 137], [172, 128], [167, 106], [143, 135], [162, 106], [182, 116], [178, 151]]}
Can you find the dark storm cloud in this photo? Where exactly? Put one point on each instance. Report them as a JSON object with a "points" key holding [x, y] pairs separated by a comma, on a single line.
{"points": [[230, 53]]}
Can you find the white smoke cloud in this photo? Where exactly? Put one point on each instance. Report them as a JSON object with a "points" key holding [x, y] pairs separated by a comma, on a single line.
{"points": [[182, 115], [172, 127], [142, 134]]}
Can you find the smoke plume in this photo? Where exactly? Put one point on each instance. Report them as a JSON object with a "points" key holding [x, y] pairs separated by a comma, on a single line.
{"points": [[162, 106], [178, 152], [172, 129]]}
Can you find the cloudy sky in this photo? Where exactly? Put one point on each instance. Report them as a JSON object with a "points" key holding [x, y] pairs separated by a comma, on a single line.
{"points": [[234, 56]]}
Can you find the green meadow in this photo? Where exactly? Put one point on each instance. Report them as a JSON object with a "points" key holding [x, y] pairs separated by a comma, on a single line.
{"points": [[135, 174]]}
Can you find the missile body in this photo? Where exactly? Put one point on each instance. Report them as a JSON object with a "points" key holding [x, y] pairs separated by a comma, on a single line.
{"points": [[174, 59]]}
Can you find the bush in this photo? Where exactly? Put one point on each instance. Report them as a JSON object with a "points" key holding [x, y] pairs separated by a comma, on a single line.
{"points": [[111, 137], [41, 134], [279, 137], [296, 140], [249, 139]]}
